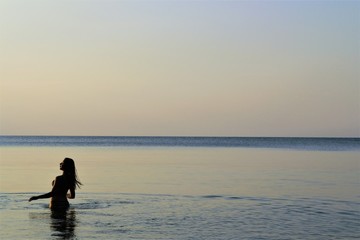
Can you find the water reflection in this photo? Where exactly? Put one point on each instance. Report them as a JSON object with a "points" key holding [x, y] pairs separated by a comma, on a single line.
{"points": [[63, 224]]}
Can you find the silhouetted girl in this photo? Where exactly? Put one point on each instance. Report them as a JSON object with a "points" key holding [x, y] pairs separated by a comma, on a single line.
{"points": [[61, 185]]}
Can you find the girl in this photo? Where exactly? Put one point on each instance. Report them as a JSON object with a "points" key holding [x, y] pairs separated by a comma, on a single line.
{"points": [[61, 185]]}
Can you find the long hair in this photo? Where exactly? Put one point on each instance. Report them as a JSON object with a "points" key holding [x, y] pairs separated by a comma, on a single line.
{"points": [[70, 171]]}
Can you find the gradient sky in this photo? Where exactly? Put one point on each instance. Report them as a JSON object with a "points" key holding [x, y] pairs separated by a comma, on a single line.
{"points": [[199, 68]]}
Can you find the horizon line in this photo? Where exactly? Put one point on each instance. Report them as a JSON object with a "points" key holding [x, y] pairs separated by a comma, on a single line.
{"points": [[175, 136]]}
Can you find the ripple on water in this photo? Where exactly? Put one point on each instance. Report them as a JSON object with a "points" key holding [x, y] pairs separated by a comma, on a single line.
{"points": [[187, 217]]}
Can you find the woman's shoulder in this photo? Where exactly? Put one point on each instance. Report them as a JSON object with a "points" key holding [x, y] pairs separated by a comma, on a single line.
{"points": [[59, 178], [62, 178]]}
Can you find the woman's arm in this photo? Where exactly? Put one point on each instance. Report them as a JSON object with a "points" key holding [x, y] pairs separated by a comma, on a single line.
{"points": [[47, 195], [72, 194]]}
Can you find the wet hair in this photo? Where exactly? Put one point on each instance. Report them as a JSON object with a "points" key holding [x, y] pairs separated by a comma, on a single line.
{"points": [[70, 171]]}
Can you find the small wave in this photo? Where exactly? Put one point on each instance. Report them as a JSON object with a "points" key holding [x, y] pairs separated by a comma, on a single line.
{"points": [[235, 198], [257, 199], [93, 205], [213, 196], [125, 202], [348, 213], [100, 204]]}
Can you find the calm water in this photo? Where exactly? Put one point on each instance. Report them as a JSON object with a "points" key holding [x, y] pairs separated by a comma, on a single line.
{"points": [[184, 188]]}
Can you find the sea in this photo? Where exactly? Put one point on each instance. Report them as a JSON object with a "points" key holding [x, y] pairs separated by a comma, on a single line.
{"points": [[183, 188]]}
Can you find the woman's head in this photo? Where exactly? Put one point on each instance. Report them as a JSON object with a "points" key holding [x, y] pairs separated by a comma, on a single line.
{"points": [[68, 166]]}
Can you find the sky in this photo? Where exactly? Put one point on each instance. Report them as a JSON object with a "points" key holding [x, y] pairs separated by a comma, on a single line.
{"points": [[180, 68]]}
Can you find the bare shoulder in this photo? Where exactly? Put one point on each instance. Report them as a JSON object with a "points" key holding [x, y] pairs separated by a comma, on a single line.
{"points": [[59, 178]]}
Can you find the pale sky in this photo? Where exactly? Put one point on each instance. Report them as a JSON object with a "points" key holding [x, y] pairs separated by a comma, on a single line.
{"points": [[180, 68]]}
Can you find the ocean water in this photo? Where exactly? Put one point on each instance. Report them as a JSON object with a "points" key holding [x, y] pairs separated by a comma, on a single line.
{"points": [[331, 144], [184, 188]]}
